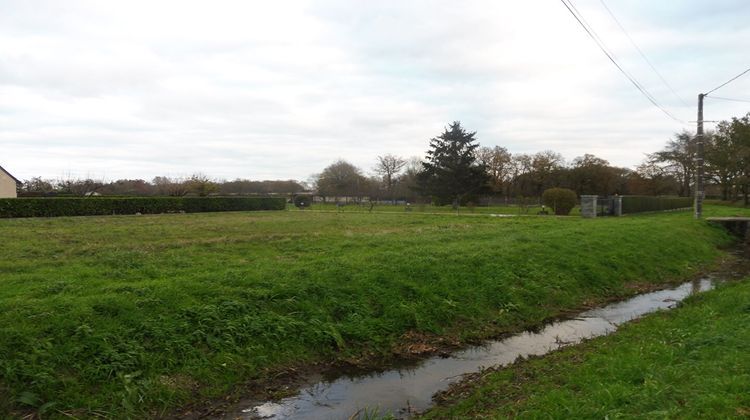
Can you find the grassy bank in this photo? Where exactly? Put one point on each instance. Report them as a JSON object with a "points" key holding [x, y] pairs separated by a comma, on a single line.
{"points": [[135, 315], [693, 362]]}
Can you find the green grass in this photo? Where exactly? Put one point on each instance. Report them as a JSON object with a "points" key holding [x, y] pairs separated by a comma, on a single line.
{"points": [[693, 362], [136, 315]]}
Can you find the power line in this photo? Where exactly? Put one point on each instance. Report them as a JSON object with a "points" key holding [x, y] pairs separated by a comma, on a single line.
{"points": [[590, 31], [597, 38], [609, 55], [603, 46], [727, 82], [622, 28], [729, 99]]}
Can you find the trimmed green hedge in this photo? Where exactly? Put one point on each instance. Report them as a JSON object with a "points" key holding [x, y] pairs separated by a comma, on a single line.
{"points": [[640, 204], [54, 207]]}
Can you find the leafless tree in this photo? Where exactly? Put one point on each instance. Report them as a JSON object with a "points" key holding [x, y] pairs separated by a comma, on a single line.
{"points": [[174, 187], [38, 185], [341, 179], [497, 161], [81, 187], [388, 167], [678, 158]]}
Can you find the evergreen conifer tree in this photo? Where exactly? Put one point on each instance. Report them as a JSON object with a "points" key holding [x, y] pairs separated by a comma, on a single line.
{"points": [[451, 171]]}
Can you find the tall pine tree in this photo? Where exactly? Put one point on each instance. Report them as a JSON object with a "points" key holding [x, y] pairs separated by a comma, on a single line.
{"points": [[451, 171]]}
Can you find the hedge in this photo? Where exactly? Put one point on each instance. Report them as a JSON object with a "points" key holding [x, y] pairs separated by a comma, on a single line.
{"points": [[54, 207], [640, 204]]}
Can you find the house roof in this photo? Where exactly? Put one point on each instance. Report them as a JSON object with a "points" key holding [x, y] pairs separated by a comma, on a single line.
{"points": [[11, 175]]}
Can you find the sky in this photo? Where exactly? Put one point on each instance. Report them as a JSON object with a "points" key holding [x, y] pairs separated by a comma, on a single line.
{"points": [[279, 90]]}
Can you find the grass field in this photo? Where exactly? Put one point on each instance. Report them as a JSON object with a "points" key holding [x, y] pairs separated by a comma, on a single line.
{"points": [[137, 315], [693, 362]]}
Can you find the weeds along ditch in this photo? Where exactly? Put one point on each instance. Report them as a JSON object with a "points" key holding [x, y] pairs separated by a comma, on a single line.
{"points": [[141, 315], [692, 362], [405, 391]]}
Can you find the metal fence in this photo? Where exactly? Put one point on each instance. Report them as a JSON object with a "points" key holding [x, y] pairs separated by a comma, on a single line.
{"points": [[605, 205]]}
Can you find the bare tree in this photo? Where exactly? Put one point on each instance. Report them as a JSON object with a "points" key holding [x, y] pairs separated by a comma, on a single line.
{"points": [[38, 185], [81, 187], [388, 167], [650, 178], [497, 161], [678, 156], [545, 166], [174, 187], [341, 179], [589, 174], [520, 168], [406, 185]]}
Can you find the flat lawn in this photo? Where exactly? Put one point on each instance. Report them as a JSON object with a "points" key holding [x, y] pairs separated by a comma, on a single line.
{"points": [[693, 362], [136, 315]]}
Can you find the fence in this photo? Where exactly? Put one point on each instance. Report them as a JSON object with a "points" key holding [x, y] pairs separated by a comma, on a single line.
{"points": [[593, 206], [639, 204], [606, 206]]}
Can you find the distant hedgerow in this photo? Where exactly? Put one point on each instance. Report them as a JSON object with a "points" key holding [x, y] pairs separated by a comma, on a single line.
{"points": [[54, 207]]}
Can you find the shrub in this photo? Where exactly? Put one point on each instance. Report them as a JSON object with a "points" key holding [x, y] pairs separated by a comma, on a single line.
{"points": [[302, 201], [562, 200], [53, 207]]}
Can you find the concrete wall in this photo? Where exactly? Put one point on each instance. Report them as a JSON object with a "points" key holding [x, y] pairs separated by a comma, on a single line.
{"points": [[617, 203], [588, 205], [7, 186]]}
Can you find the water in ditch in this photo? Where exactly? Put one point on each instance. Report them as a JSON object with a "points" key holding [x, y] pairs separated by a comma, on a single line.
{"points": [[404, 391]]}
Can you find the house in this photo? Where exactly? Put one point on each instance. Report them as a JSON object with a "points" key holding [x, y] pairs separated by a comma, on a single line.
{"points": [[8, 184]]}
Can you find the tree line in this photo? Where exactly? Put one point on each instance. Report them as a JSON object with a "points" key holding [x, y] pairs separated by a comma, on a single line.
{"points": [[197, 184], [456, 168]]}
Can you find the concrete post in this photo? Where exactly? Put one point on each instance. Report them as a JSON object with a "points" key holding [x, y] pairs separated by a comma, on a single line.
{"points": [[588, 206], [617, 203]]}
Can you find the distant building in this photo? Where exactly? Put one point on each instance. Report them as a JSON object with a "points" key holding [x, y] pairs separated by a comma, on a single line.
{"points": [[8, 184]]}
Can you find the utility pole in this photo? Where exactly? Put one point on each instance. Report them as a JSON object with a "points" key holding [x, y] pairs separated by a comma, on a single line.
{"points": [[699, 193]]}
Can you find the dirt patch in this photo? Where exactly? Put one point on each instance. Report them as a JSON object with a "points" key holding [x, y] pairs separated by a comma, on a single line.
{"points": [[417, 344], [270, 385]]}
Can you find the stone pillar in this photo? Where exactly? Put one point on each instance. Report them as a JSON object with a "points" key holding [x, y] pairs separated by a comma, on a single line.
{"points": [[617, 204], [588, 206]]}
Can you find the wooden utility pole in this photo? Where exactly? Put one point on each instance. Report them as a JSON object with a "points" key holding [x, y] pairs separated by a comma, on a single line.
{"points": [[699, 192]]}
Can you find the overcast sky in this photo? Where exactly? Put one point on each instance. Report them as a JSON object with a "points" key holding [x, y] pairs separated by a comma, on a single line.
{"points": [[280, 89]]}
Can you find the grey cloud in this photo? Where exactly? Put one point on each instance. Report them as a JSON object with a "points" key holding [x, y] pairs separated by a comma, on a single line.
{"points": [[266, 90]]}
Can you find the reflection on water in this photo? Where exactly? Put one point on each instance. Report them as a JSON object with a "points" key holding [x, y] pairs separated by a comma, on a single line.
{"points": [[403, 391]]}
